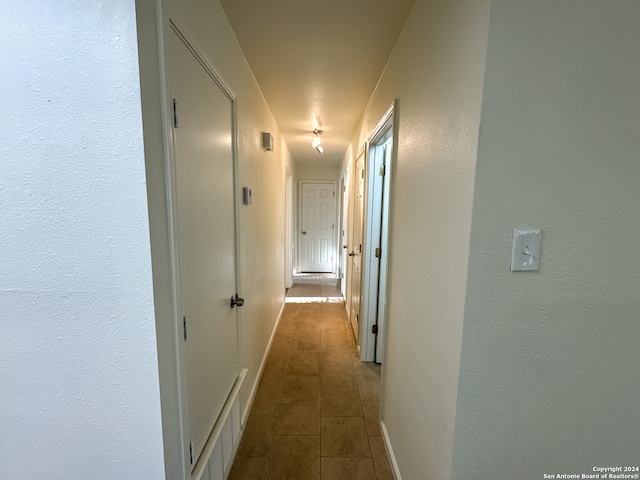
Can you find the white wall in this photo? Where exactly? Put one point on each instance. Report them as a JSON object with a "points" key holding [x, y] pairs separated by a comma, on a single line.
{"points": [[436, 72], [79, 396], [550, 365], [304, 171]]}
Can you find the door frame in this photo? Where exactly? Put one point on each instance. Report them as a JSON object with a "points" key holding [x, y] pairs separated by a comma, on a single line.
{"points": [[289, 243], [167, 22], [334, 239], [351, 246], [374, 271], [341, 247]]}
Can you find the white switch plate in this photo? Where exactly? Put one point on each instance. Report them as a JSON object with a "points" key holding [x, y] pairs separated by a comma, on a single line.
{"points": [[526, 250]]}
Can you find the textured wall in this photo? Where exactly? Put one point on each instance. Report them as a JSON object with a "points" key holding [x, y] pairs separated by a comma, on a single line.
{"points": [[549, 374], [436, 73], [79, 396]]}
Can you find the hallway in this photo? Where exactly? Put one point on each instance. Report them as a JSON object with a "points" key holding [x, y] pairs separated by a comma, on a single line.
{"points": [[315, 414]]}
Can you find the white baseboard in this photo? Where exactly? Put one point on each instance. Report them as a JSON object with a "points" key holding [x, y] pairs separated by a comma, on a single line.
{"points": [[254, 387], [392, 458]]}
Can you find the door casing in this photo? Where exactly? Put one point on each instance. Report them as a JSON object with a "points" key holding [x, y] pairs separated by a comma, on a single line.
{"points": [[381, 143]]}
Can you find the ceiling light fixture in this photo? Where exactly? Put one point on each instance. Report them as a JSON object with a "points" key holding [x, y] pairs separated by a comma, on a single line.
{"points": [[316, 140]]}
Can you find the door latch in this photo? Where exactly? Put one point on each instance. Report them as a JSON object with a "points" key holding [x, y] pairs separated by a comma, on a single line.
{"points": [[236, 301]]}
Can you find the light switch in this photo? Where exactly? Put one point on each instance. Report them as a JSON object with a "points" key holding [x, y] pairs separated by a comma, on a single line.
{"points": [[526, 250], [247, 196]]}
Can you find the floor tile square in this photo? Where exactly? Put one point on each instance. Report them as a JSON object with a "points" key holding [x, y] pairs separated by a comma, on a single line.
{"points": [[304, 364], [344, 437], [339, 402], [347, 468], [298, 418], [279, 356], [336, 356], [266, 400], [337, 376], [248, 468], [306, 345], [257, 437], [273, 375], [301, 387], [294, 457], [368, 386], [367, 369], [371, 410], [380, 458]]}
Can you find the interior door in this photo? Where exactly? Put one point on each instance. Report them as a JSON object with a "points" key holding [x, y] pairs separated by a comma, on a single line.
{"points": [[342, 249], [355, 245], [317, 227], [205, 210]]}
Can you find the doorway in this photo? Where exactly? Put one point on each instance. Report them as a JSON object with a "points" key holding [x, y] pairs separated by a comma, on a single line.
{"points": [[374, 255], [354, 246], [317, 227], [289, 243]]}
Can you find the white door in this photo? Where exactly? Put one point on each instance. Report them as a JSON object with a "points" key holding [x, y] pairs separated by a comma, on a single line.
{"points": [[384, 256], [205, 206], [342, 244], [355, 245], [317, 226]]}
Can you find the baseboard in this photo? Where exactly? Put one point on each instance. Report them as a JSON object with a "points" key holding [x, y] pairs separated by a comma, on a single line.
{"points": [[392, 458], [254, 387]]}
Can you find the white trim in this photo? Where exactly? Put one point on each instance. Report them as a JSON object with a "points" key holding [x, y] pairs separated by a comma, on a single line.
{"points": [[288, 229], [256, 383], [381, 124], [200, 53], [373, 270], [170, 187], [395, 470]]}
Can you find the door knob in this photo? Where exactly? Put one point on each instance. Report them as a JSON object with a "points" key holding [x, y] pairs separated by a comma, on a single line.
{"points": [[304, 233], [237, 301], [351, 254]]}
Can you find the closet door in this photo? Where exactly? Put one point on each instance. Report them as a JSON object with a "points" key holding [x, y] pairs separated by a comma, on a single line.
{"points": [[205, 208]]}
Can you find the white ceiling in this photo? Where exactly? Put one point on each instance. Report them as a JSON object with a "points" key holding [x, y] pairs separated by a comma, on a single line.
{"points": [[317, 63]]}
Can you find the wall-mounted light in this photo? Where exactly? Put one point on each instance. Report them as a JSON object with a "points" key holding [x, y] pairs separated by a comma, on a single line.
{"points": [[315, 143]]}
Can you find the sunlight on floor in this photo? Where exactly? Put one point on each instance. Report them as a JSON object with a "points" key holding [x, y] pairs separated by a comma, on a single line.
{"points": [[314, 300]]}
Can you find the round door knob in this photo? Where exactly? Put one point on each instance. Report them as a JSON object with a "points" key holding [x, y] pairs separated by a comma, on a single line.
{"points": [[237, 301], [304, 233], [351, 254]]}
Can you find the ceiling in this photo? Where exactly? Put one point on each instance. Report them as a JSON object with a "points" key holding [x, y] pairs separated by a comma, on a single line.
{"points": [[317, 63]]}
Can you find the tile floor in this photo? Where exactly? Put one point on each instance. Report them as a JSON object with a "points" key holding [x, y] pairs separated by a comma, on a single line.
{"points": [[315, 415]]}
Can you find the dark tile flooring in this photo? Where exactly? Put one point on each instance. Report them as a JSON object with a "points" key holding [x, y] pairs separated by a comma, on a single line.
{"points": [[315, 415]]}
